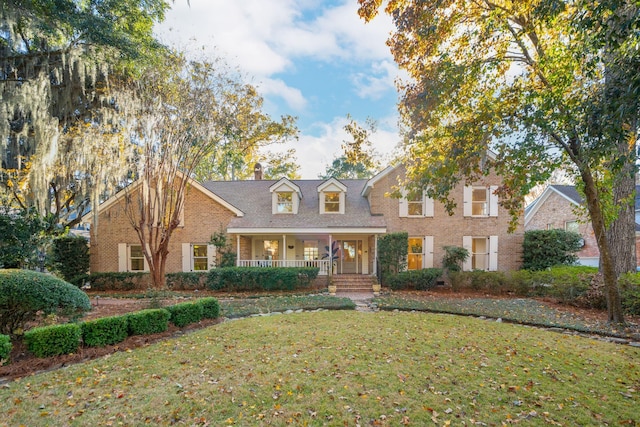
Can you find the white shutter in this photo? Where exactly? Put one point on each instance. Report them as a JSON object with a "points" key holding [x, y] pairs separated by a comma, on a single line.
{"points": [[186, 257], [428, 206], [493, 201], [404, 209], [467, 201], [467, 243], [427, 247], [211, 257], [123, 256], [493, 253]]}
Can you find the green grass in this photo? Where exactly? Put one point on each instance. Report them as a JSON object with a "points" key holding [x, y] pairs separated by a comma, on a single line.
{"points": [[234, 308], [342, 368]]}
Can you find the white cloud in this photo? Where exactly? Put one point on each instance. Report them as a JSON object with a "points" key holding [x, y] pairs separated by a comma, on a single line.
{"points": [[377, 82], [292, 96]]}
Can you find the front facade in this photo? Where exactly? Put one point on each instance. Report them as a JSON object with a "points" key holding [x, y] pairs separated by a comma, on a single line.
{"points": [[332, 224]]}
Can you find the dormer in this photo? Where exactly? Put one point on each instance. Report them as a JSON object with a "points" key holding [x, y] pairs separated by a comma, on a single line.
{"points": [[285, 197], [332, 197]]}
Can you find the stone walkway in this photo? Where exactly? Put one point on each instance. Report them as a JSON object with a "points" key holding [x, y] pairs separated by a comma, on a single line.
{"points": [[361, 299]]}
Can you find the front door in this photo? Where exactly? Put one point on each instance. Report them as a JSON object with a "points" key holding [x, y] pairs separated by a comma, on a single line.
{"points": [[349, 259]]}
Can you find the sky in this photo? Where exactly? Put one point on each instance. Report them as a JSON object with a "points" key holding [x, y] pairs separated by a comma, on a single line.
{"points": [[313, 59]]}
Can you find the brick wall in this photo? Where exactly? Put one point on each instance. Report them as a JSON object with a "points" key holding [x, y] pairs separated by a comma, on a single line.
{"points": [[203, 216], [448, 230]]}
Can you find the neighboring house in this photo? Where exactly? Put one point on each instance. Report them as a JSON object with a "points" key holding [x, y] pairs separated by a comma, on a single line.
{"points": [[558, 207], [293, 222]]}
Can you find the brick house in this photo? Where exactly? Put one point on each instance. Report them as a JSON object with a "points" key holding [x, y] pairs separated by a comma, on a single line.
{"points": [[292, 222], [558, 207]]}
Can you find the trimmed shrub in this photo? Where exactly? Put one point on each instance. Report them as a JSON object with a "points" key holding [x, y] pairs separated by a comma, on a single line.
{"points": [[454, 257], [185, 313], [210, 308], [116, 281], [104, 331], [53, 340], [5, 348], [150, 321], [630, 292], [71, 257], [24, 293], [186, 281], [393, 249], [421, 280], [547, 248], [566, 283], [261, 278]]}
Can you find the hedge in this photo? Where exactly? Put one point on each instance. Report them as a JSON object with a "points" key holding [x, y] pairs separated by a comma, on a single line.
{"points": [[261, 278], [210, 308], [150, 321], [421, 280], [53, 340], [5, 347], [186, 281], [104, 331], [115, 281], [185, 313], [24, 294]]}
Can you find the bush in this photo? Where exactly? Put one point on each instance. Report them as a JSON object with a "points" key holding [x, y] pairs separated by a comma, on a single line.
{"points": [[393, 249], [421, 280], [114, 281], [185, 313], [5, 348], [566, 283], [547, 248], [53, 340], [150, 321], [260, 278], [104, 331], [24, 293], [186, 281], [630, 293], [210, 308], [454, 257], [71, 257]]}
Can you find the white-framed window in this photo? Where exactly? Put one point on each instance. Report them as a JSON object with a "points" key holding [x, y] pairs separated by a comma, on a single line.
{"points": [[572, 226], [285, 202], [331, 202], [415, 253], [310, 250], [483, 253], [198, 257], [416, 205], [480, 201], [131, 258], [136, 258]]}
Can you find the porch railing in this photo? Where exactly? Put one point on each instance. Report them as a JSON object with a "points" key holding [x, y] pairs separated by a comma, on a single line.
{"points": [[323, 265]]}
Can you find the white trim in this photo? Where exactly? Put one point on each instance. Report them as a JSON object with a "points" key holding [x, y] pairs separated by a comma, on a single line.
{"points": [[428, 206], [467, 200], [467, 243], [372, 182], [543, 198], [123, 257], [187, 265], [372, 230], [493, 253], [332, 181], [427, 248]]}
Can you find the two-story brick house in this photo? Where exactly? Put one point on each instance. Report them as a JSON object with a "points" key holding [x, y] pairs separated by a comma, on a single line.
{"points": [[293, 222]]}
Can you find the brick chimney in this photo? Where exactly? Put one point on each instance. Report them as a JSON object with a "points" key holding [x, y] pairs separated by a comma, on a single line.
{"points": [[257, 172]]}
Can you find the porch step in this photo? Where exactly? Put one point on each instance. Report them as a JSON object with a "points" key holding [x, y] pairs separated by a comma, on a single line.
{"points": [[354, 282]]}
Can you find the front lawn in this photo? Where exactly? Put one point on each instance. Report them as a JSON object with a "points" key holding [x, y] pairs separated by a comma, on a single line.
{"points": [[342, 368]]}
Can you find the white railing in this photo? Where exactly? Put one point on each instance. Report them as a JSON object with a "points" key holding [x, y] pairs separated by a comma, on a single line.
{"points": [[323, 265]]}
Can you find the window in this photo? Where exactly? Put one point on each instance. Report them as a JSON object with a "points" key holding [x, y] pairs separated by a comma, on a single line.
{"points": [[572, 226], [479, 202], [414, 205], [414, 261], [483, 253], [270, 250], [310, 250], [285, 202], [332, 202], [200, 257], [136, 258]]}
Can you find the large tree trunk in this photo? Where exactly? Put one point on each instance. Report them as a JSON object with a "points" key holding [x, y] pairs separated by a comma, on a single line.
{"points": [[621, 234]]}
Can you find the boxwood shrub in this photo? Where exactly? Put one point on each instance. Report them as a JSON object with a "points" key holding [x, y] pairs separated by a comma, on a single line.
{"points": [[185, 313], [421, 280], [186, 281], [210, 308], [5, 348], [150, 321], [24, 294], [261, 278], [630, 293], [115, 281], [53, 340], [104, 331]]}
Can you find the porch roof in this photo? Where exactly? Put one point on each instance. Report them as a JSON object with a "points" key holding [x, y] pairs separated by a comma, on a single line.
{"points": [[254, 199]]}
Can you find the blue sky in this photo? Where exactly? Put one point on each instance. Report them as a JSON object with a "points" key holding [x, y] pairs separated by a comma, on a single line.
{"points": [[314, 59]]}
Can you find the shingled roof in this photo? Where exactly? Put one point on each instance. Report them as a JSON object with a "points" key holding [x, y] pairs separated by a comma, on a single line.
{"points": [[254, 199]]}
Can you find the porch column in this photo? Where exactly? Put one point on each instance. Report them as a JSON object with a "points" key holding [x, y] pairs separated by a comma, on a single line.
{"points": [[284, 250], [375, 254], [330, 272], [238, 249]]}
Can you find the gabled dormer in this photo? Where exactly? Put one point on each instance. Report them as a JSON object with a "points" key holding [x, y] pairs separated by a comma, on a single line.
{"points": [[285, 197], [332, 197]]}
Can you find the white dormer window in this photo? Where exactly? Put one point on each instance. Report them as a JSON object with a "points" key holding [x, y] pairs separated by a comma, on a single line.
{"points": [[285, 202], [480, 201], [285, 197], [332, 197]]}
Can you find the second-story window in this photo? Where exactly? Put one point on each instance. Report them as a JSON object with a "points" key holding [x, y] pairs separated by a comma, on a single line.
{"points": [[332, 202], [479, 202], [415, 205], [285, 202]]}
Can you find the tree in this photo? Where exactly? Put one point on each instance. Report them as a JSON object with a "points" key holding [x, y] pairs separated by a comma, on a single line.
{"points": [[60, 110], [279, 165], [544, 84]]}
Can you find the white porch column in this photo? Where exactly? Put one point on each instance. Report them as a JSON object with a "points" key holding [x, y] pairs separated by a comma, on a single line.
{"points": [[238, 250], [330, 272], [375, 254], [284, 250]]}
